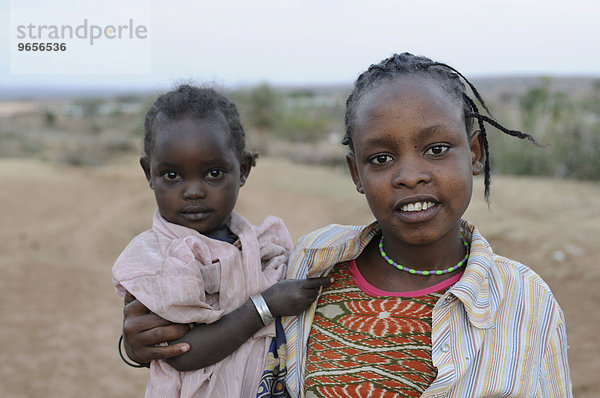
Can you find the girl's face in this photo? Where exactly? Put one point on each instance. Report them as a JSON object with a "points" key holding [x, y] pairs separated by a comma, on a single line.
{"points": [[195, 173], [413, 160]]}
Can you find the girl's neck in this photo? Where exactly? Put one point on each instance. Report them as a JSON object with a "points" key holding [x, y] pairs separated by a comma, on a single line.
{"points": [[442, 254]]}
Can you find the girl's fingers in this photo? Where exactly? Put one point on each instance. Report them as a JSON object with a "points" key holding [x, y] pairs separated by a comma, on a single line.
{"points": [[146, 347], [142, 323], [133, 307], [128, 297], [151, 329], [168, 351], [161, 334]]}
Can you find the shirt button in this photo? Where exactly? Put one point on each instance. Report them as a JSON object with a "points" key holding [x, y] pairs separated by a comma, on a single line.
{"points": [[445, 348]]}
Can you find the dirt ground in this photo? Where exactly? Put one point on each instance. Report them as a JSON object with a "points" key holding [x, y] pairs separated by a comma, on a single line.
{"points": [[63, 227]]}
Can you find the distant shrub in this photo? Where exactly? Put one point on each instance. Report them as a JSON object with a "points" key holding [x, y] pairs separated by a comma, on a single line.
{"points": [[568, 128]]}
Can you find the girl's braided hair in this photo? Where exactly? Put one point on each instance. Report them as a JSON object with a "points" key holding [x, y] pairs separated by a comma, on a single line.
{"points": [[451, 81]]}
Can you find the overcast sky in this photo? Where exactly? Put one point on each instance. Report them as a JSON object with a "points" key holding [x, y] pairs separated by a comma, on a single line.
{"points": [[329, 41]]}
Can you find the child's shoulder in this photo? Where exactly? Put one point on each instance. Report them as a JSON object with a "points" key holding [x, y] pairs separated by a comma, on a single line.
{"points": [[142, 244], [271, 230], [143, 239]]}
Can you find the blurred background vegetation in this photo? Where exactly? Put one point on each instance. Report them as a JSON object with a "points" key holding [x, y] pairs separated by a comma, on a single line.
{"points": [[305, 124]]}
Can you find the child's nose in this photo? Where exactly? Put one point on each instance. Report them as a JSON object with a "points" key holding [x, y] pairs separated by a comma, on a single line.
{"points": [[194, 190]]}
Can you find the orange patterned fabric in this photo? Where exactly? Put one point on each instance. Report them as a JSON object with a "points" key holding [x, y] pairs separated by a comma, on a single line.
{"points": [[361, 345]]}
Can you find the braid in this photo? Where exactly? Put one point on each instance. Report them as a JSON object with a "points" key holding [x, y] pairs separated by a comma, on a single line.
{"points": [[487, 180], [471, 86], [449, 79]]}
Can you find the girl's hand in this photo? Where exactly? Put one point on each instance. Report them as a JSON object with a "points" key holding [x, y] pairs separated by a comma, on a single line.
{"points": [[143, 330], [293, 296]]}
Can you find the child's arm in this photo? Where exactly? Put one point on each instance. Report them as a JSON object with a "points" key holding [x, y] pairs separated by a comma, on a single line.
{"points": [[210, 343]]}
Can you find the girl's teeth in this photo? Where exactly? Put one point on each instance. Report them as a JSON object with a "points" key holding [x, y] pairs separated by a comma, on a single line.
{"points": [[417, 206]]}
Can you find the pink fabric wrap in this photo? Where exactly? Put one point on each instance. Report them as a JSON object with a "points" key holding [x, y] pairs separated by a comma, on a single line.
{"points": [[186, 277]]}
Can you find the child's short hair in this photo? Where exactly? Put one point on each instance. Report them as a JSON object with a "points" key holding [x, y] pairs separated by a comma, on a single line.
{"points": [[449, 79], [198, 102]]}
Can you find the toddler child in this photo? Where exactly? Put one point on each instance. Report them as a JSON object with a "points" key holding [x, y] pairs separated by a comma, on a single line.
{"points": [[202, 263]]}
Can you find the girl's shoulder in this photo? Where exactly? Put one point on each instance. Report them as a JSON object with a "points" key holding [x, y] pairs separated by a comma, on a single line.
{"points": [[334, 235], [515, 273]]}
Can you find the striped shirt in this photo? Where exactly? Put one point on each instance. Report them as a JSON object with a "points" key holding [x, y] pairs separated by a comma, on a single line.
{"points": [[497, 332]]}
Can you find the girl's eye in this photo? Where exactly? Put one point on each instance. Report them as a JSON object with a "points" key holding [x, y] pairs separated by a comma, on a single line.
{"points": [[380, 159], [437, 150], [215, 173], [171, 176]]}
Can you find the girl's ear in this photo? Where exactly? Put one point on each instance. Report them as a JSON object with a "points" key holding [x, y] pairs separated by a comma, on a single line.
{"points": [[145, 163], [351, 162], [477, 152], [246, 163]]}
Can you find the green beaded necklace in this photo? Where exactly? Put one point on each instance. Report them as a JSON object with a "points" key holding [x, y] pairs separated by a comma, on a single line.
{"points": [[419, 272]]}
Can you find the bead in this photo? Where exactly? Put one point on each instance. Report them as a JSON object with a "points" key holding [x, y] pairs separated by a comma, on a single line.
{"points": [[426, 273]]}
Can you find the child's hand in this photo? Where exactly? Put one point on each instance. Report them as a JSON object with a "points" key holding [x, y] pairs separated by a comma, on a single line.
{"points": [[293, 296]]}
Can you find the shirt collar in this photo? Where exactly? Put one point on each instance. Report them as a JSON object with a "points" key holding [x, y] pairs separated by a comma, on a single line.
{"points": [[478, 289]]}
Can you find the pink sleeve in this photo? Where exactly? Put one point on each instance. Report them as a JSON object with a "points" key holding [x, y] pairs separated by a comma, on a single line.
{"points": [[275, 244], [172, 287]]}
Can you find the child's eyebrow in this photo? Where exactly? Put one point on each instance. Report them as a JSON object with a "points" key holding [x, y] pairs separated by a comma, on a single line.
{"points": [[167, 165]]}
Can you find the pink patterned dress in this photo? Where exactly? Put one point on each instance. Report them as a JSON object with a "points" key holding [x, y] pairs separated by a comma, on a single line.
{"points": [[366, 342]]}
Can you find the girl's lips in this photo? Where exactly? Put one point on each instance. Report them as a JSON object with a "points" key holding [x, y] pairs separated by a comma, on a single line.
{"points": [[413, 200], [418, 216], [417, 209]]}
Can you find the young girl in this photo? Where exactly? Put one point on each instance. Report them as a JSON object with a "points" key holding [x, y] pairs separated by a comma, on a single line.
{"points": [[421, 305], [202, 263]]}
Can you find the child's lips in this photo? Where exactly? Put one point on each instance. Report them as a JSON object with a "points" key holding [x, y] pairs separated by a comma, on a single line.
{"points": [[195, 216], [194, 213]]}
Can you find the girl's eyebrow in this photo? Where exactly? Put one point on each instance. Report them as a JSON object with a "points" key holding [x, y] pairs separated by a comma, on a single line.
{"points": [[430, 131], [379, 141], [426, 132]]}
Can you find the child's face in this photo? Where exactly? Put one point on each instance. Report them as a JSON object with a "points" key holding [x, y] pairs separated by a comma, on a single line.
{"points": [[413, 159], [195, 173]]}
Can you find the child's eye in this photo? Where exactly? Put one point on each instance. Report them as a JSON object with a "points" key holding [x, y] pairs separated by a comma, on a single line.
{"points": [[171, 176], [215, 173], [380, 159], [437, 150]]}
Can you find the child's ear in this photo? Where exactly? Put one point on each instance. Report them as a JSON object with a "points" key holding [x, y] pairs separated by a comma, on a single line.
{"points": [[145, 163], [477, 152], [246, 163], [351, 162]]}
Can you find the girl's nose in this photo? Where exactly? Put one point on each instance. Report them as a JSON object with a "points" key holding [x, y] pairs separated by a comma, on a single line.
{"points": [[194, 190], [410, 173]]}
